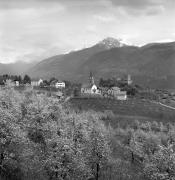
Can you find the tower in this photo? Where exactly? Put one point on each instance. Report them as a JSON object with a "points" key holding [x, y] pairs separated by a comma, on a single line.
{"points": [[129, 80], [91, 79]]}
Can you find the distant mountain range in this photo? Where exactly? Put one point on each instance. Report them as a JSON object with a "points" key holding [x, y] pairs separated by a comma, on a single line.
{"points": [[150, 65], [17, 68]]}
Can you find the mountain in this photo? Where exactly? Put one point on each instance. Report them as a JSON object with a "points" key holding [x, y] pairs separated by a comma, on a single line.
{"points": [[151, 65], [16, 68], [66, 66], [110, 43]]}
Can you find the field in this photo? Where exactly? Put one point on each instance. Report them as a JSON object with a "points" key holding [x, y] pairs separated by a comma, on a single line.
{"points": [[126, 111]]}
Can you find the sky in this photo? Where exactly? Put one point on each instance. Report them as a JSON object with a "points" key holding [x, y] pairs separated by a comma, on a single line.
{"points": [[32, 30]]}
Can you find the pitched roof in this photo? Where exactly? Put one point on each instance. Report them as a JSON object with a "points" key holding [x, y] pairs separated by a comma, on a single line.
{"points": [[56, 81], [89, 86], [115, 88], [86, 86], [122, 93]]}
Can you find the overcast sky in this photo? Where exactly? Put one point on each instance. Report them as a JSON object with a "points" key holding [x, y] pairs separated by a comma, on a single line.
{"points": [[34, 29]]}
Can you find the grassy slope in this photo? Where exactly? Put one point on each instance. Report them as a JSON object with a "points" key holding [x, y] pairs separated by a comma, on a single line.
{"points": [[127, 111]]}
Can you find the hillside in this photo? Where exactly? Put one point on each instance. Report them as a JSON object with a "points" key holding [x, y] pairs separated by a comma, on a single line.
{"points": [[16, 68], [66, 66], [151, 65], [126, 112]]}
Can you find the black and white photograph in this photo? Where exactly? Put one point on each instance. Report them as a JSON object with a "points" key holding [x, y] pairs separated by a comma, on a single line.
{"points": [[87, 89]]}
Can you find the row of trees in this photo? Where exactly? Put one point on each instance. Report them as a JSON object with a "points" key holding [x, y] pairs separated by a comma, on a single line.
{"points": [[112, 82], [150, 149], [21, 80]]}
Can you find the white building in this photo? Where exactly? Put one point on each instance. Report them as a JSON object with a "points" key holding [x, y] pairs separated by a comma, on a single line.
{"points": [[114, 92], [90, 89], [60, 84], [36, 82], [122, 95], [17, 83]]}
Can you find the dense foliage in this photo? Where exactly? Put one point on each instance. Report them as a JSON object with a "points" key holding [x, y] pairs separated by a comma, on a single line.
{"points": [[44, 139], [4, 77], [39, 139]]}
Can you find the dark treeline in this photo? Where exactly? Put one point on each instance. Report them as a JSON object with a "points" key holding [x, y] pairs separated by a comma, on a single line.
{"points": [[121, 83], [4, 77], [19, 78]]}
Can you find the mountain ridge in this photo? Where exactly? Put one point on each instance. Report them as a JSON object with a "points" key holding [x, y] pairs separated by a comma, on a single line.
{"points": [[151, 65]]}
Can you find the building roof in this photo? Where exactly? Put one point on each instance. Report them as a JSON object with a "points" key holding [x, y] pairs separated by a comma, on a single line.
{"points": [[115, 88], [88, 86], [56, 81], [122, 93]]}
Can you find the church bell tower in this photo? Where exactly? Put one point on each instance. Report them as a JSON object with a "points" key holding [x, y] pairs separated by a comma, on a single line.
{"points": [[91, 79]]}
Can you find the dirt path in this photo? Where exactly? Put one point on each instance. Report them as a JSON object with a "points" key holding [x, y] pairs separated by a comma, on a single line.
{"points": [[164, 105], [170, 107]]}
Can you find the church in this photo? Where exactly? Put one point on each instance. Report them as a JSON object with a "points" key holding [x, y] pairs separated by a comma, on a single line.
{"points": [[90, 88]]}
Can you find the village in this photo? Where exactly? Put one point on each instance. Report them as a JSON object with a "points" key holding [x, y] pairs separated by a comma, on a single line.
{"points": [[89, 89], [122, 89]]}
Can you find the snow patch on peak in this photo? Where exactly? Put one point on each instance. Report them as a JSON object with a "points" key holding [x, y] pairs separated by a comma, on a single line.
{"points": [[111, 43]]}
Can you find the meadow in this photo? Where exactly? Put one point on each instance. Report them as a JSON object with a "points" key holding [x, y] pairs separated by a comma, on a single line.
{"points": [[126, 112]]}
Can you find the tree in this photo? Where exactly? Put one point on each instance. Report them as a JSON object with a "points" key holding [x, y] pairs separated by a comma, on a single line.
{"points": [[27, 79], [76, 92], [99, 152], [20, 79], [161, 166]]}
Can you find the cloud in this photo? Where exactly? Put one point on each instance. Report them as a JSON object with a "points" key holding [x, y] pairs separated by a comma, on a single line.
{"points": [[24, 4], [35, 29], [136, 3], [155, 10], [92, 29], [104, 18], [144, 7]]}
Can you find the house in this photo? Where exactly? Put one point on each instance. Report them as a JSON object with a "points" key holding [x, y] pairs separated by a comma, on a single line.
{"points": [[57, 84], [17, 83], [36, 82], [114, 92], [122, 95], [60, 84]]}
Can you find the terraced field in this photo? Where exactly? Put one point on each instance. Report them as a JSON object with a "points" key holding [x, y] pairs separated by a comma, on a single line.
{"points": [[130, 110]]}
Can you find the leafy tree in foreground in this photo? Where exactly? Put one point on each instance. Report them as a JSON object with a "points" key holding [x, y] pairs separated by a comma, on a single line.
{"points": [[161, 166]]}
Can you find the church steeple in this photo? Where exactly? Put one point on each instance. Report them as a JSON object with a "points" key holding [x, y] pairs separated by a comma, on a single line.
{"points": [[91, 79]]}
